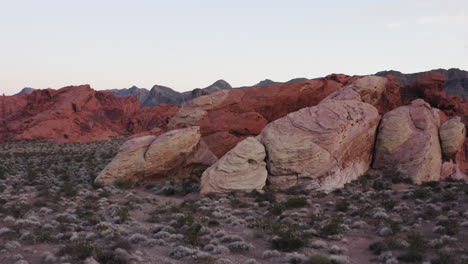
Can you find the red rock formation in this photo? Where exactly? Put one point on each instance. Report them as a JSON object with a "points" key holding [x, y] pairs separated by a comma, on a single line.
{"points": [[228, 116], [76, 113], [430, 87]]}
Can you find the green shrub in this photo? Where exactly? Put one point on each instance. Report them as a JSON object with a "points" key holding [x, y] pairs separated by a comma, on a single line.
{"points": [[377, 247], [192, 234], [265, 196], [295, 202], [416, 250], [342, 205], [123, 214], [332, 228], [319, 259], [3, 172], [68, 189], [79, 249], [451, 226], [422, 193], [124, 184], [380, 185], [277, 208], [288, 238]]}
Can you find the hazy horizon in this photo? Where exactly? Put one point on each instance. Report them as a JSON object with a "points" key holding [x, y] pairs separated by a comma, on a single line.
{"points": [[187, 44]]}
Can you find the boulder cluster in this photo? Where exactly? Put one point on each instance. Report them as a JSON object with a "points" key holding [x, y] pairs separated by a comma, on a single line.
{"points": [[314, 135]]}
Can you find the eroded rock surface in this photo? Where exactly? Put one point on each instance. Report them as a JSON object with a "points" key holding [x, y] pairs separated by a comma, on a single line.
{"points": [[175, 154], [242, 168], [321, 147], [233, 115], [408, 142]]}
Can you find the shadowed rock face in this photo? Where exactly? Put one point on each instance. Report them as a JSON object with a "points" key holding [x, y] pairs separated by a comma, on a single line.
{"points": [[76, 113], [173, 155], [408, 142], [455, 84]]}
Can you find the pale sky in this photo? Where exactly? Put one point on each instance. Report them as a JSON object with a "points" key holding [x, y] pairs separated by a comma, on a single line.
{"points": [[189, 44]]}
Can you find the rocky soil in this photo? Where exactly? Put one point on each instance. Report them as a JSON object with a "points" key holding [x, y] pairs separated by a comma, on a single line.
{"points": [[52, 212]]}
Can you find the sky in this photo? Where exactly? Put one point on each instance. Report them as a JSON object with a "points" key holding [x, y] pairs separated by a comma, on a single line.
{"points": [[186, 44]]}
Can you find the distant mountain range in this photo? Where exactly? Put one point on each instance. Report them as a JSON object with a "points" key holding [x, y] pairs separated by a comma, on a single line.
{"points": [[456, 84]]}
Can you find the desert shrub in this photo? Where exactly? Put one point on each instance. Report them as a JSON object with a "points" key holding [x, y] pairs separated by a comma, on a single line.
{"points": [[422, 193], [124, 184], [79, 249], [342, 205], [388, 203], [206, 259], [277, 208], [31, 175], [3, 172], [42, 235], [332, 228], [213, 223], [237, 203], [451, 226], [295, 202], [192, 234], [68, 189], [189, 186], [265, 196], [449, 196], [416, 250], [319, 259], [378, 247], [315, 218], [430, 212], [17, 210], [380, 185], [288, 238], [123, 214]]}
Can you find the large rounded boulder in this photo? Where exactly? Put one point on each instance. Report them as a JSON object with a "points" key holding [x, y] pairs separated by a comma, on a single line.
{"points": [[408, 142], [242, 169], [175, 154], [321, 147]]}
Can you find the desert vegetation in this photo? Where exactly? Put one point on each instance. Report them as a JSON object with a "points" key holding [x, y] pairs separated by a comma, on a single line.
{"points": [[51, 211]]}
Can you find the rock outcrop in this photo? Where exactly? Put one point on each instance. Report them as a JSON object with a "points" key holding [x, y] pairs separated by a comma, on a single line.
{"points": [[452, 136], [242, 168], [455, 84], [76, 113], [229, 116], [321, 147], [408, 142], [176, 154]]}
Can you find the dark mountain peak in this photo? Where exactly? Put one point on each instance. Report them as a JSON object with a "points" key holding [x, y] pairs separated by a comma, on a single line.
{"points": [[265, 82], [217, 86], [26, 90]]}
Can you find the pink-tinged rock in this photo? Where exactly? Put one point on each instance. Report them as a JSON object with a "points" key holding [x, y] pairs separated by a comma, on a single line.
{"points": [[452, 136], [241, 169], [321, 147], [176, 154], [408, 142], [451, 170]]}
